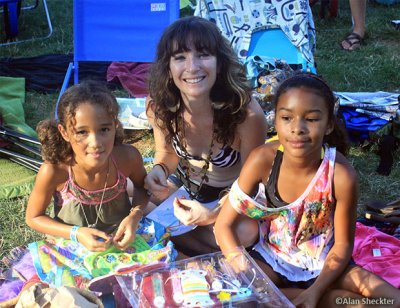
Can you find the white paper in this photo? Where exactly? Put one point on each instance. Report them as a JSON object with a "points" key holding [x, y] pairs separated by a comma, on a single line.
{"points": [[164, 213], [133, 113]]}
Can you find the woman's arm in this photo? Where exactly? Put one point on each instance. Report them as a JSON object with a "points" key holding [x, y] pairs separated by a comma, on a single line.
{"points": [[337, 260], [156, 180]]}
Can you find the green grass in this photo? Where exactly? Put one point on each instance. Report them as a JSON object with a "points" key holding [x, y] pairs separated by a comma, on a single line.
{"points": [[374, 67]]}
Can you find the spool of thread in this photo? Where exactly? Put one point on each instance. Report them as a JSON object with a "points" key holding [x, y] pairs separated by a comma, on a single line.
{"points": [[176, 285], [216, 284], [158, 290], [228, 271]]}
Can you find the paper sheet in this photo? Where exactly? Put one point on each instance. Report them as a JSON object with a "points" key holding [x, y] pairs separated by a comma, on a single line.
{"points": [[164, 213]]}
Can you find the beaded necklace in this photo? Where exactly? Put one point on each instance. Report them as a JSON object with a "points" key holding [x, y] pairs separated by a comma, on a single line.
{"points": [[99, 207], [187, 169]]}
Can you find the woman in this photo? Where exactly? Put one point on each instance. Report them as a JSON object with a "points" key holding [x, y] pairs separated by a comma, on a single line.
{"points": [[205, 125]]}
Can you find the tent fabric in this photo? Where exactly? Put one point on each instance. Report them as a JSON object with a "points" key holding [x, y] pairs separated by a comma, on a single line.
{"points": [[15, 180], [237, 20], [45, 73], [12, 98]]}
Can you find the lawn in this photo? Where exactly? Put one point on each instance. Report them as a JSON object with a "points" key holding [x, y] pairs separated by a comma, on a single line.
{"points": [[375, 67]]}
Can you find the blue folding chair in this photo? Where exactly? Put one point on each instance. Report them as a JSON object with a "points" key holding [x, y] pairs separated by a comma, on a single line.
{"points": [[125, 30]]}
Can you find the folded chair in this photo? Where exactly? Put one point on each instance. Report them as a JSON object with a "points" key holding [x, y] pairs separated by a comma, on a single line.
{"points": [[125, 31], [11, 12]]}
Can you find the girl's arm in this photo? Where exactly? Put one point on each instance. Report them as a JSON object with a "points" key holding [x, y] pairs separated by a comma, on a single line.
{"points": [[48, 178], [253, 172], [131, 163], [253, 131], [337, 260]]}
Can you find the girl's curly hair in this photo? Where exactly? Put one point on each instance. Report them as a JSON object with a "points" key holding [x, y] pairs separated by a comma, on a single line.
{"points": [[53, 146], [338, 137], [230, 94]]}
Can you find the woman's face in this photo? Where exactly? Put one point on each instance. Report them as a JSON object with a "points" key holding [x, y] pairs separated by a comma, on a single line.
{"points": [[301, 121], [194, 73], [91, 135]]}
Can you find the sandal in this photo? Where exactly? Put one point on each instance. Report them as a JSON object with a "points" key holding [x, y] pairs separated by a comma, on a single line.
{"points": [[354, 41], [383, 208]]}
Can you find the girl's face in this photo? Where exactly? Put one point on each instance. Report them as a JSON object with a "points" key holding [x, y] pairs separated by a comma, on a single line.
{"points": [[194, 73], [91, 135], [301, 121]]}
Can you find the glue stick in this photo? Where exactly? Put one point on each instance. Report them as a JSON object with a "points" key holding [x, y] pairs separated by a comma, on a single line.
{"points": [[176, 285], [158, 290]]}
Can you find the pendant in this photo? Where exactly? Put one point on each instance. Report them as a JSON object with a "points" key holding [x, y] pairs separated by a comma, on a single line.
{"points": [[93, 226]]}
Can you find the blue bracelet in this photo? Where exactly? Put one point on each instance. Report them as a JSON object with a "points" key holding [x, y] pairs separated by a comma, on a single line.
{"points": [[74, 233]]}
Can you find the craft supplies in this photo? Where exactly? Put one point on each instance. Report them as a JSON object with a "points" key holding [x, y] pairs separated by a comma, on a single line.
{"points": [[176, 285], [207, 281], [158, 290]]}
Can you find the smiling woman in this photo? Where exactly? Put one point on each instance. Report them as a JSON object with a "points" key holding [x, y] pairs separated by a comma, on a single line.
{"points": [[205, 125]]}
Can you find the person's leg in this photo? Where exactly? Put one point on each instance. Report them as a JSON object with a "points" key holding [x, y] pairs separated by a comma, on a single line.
{"points": [[363, 283], [202, 239], [358, 11]]}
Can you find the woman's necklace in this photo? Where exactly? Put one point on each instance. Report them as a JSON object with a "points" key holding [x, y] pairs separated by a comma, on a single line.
{"points": [[98, 209], [187, 169]]}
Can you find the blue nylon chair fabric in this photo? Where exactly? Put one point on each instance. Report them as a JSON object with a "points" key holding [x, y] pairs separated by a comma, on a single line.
{"points": [[124, 30]]}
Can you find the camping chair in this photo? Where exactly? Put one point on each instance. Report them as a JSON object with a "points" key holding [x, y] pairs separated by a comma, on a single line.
{"points": [[11, 11], [126, 31]]}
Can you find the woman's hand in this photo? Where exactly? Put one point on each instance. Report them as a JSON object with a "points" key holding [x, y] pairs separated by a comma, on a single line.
{"points": [[192, 212], [156, 183], [126, 232], [93, 239]]}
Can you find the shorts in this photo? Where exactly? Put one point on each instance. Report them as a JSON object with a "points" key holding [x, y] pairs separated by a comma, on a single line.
{"points": [[286, 283], [206, 194]]}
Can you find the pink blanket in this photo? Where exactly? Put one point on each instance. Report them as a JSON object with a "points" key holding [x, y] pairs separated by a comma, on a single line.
{"points": [[132, 76], [378, 253]]}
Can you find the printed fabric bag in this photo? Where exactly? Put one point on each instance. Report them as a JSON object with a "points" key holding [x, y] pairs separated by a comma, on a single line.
{"points": [[61, 262]]}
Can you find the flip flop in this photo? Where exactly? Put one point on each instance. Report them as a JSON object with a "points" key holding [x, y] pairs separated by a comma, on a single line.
{"points": [[383, 208], [352, 39]]}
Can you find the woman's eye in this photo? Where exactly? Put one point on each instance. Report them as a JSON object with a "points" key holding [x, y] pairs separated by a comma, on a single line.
{"points": [[178, 57], [81, 132], [204, 55], [285, 118], [105, 129]]}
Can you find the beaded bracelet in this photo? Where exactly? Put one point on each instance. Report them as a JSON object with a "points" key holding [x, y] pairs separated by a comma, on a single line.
{"points": [[164, 168], [74, 234], [232, 255]]}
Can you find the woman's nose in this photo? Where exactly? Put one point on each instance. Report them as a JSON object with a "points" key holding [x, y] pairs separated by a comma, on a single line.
{"points": [[191, 64]]}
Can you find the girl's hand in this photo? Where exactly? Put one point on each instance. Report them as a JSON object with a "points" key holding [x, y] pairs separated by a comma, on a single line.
{"points": [[156, 183], [192, 212], [93, 239], [126, 232], [309, 298]]}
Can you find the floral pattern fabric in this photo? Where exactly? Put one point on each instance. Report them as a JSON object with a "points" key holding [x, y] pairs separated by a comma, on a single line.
{"points": [[294, 239]]}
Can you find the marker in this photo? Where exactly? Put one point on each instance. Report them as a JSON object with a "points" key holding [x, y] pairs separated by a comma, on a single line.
{"points": [[158, 290], [176, 285]]}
